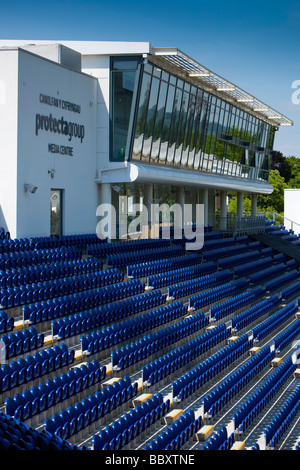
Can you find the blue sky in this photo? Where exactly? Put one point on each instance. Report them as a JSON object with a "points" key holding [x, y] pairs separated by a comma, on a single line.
{"points": [[253, 44]]}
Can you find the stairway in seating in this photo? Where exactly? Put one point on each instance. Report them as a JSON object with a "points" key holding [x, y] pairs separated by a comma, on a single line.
{"points": [[279, 244]]}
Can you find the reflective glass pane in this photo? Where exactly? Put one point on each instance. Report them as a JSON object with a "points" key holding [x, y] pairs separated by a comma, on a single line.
{"points": [[159, 120], [167, 123], [181, 127], [174, 125], [150, 118], [141, 116]]}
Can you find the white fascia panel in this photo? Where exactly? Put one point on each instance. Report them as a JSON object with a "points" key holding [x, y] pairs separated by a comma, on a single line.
{"points": [[138, 173]]}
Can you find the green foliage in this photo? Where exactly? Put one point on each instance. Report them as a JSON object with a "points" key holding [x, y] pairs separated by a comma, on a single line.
{"points": [[274, 202]]}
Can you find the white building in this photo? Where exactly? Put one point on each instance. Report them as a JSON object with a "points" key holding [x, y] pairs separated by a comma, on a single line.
{"points": [[147, 123], [291, 210]]}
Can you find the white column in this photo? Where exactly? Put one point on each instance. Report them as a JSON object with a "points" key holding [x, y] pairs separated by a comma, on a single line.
{"points": [[203, 199], [211, 209], [254, 205], [240, 209], [148, 201], [223, 210]]}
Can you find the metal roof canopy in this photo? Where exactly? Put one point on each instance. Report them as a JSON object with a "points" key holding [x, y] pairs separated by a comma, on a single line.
{"points": [[216, 83]]}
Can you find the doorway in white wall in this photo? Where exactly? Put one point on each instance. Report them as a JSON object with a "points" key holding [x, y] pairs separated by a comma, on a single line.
{"points": [[56, 212]]}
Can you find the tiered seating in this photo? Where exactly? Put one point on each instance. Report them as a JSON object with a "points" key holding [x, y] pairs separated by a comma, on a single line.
{"points": [[124, 430], [82, 414], [215, 400], [248, 316], [235, 303], [38, 399], [187, 384], [34, 258], [264, 328], [184, 289], [123, 259], [85, 300], [220, 292], [174, 276], [184, 351], [22, 342], [249, 410], [123, 331], [219, 440], [177, 434], [33, 367], [163, 366], [47, 272], [36, 292], [15, 435], [133, 353], [146, 268], [283, 418]]}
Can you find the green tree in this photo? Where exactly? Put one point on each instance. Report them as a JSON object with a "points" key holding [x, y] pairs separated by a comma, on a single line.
{"points": [[274, 202]]}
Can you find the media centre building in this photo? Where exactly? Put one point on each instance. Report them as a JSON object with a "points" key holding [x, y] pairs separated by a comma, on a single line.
{"points": [[88, 124]]}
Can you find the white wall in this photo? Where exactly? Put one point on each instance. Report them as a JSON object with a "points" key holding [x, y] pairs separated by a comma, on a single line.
{"points": [[74, 174], [99, 67], [292, 209], [8, 140]]}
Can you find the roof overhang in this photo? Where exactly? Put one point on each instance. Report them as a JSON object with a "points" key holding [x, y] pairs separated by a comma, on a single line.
{"points": [[155, 174], [218, 85]]}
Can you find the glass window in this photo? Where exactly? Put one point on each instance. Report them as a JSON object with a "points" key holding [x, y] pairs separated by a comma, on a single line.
{"points": [[150, 118], [141, 116], [174, 125], [159, 120], [123, 78], [167, 124]]}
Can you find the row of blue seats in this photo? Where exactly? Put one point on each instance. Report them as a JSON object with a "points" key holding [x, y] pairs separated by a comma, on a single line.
{"points": [[30, 274], [244, 318], [264, 328], [244, 416], [281, 280], [281, 421], [16, 435], [125, 429], [148, 268], [218, 253], [247, 268], [287, 336], [177, 434], [197, 284], [34, 367], [82, 414], [24, 406], [235, 260], [236, 302], [219, 440], [42, 291], [67, 305], [21, 342], [144, 347], [191, 381], [110, 248], [179, 275], [291, 290], [123, 259], [57, 241], [34, 258], [217, 293], [220, 395], [267, 273], [165, 365], [73, 325], [7, 323], [112, 335], [211, 244]]}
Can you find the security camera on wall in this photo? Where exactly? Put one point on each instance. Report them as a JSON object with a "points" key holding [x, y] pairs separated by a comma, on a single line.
{"points": [[31, 188]]}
